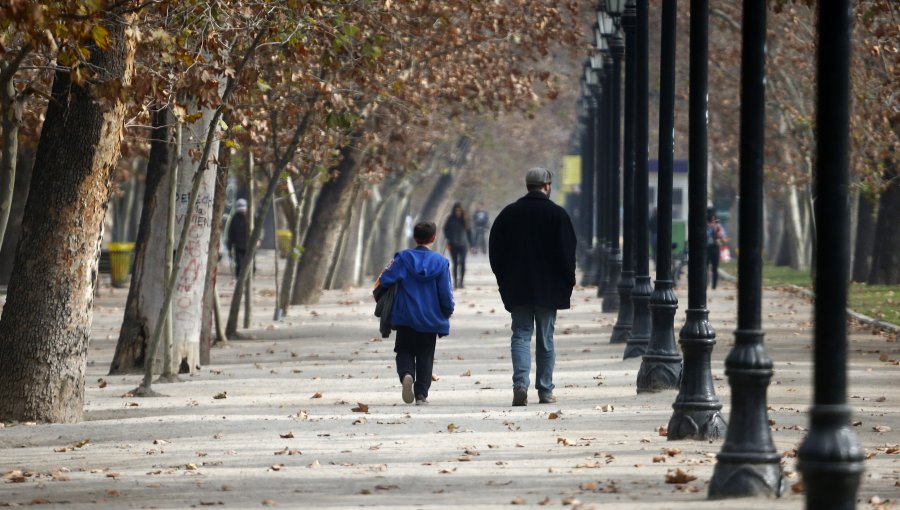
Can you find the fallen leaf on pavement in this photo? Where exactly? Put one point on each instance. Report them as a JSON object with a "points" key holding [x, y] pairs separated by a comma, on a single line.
{"points": [[565, 441], [451, 427], [663, 430], [220, 396], [518, 501], [289, 435], [679, 476], [671, 452], [659, 458], [553, 416], [881, 428], [316, 395], [360, 408]]}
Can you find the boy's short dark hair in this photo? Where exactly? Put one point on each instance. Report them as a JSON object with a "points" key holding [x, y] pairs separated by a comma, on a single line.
{"points": [[424, 232]]}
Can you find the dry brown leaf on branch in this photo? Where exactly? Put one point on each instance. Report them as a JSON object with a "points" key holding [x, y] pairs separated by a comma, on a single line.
{"points": [[679, 475]]}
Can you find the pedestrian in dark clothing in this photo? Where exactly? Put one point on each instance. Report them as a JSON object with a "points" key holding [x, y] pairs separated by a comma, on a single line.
{"points": [[532, 254], [715, 238], [238, 235], [421, 310], [482, 221], [458, 235]]}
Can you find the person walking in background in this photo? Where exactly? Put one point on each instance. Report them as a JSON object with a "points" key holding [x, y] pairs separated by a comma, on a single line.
{"points": [[238, 235], [715, 238], [481, 220], [421, 310], [458, 234], [532, 255]]}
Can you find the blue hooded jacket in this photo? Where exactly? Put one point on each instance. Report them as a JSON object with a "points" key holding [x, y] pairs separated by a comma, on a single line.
{"points": [[424, 299]]}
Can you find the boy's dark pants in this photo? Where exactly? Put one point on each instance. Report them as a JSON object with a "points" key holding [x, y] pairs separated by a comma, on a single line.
{"points": [[415, 355]]}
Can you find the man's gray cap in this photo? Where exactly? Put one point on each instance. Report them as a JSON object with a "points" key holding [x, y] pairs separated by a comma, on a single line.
{"points": [[538, 176]]}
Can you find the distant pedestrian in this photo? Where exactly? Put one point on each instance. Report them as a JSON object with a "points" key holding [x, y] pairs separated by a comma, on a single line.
{"points": [[715, 239], [458, 234], [421, 310], [238, 235], [532, 254], [481, 221]]}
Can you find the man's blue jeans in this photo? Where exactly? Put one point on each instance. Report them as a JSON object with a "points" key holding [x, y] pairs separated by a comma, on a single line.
{"points": [[524, 320]]}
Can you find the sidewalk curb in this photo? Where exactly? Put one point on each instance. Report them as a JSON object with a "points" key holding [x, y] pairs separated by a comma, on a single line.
{"points": [[865, 319]]}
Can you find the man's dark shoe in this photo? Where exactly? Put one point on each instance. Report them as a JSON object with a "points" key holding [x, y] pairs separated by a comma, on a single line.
{"points": [[408, 388], [546, 398], [520, 396], [421, 401]]}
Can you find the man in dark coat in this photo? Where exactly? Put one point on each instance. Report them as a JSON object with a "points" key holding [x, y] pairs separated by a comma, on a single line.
{"points": [[532, 254], [238, 235]]}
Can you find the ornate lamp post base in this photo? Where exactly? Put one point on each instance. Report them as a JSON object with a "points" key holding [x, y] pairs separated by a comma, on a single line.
{"points": [[697, 410], [612, 291], [661, 366], [741, 475], [696, 421], [830, 459], [748, 464], [640, 327], [622, 329]]}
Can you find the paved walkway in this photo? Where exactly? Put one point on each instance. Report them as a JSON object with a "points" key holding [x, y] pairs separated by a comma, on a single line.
{"points": [[271, 421]]}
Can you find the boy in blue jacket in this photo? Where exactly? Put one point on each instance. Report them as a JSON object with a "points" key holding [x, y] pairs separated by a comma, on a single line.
{"points": [[421, 310]]}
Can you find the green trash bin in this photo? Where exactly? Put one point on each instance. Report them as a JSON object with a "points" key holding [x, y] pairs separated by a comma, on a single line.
{"points": [[121, 256], [284, 242]]}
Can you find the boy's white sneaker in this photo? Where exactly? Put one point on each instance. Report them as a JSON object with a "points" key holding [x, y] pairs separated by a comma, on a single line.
{"points": [[408, 389]]}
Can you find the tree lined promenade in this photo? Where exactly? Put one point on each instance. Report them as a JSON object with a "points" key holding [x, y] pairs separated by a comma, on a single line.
{"points": [[272, 420]]}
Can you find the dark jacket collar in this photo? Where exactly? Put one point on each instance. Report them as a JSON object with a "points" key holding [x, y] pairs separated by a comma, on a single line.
{"points": [[536, 194]]}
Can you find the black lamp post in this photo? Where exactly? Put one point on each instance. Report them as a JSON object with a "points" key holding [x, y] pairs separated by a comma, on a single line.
{"points": [[661, 365], [622, 329], [610, 28], [640, 293], [588, 149], [830, 457], [696, 409], [601, 163], [748, 464]]}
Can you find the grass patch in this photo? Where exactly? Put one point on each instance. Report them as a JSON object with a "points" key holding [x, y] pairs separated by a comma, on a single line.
{"points": [[877, 301]]}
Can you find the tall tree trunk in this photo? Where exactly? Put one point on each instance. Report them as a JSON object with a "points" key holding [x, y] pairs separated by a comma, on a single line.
{"points": [[438, 199], [148, 275], [208, 335], [45, 327], [345, 270], [324, 232], [886, 259], [187, 300], [10, 109], [865, 237], [304, 215], [798, 229], [14, 225]]}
